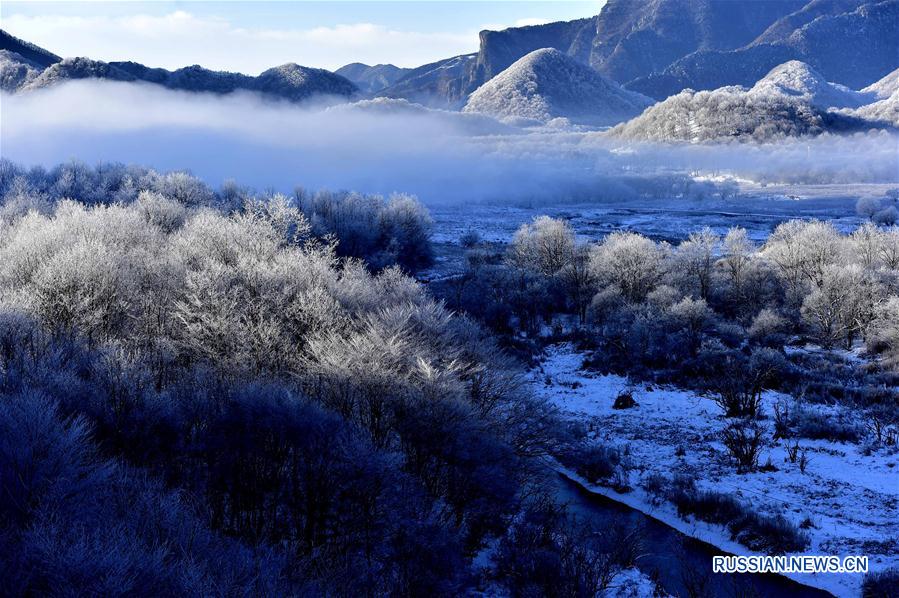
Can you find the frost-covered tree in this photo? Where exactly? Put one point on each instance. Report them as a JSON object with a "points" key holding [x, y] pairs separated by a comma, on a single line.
{"points": [[691, 316], [578, 279], [736, 260], [867, 206], [802, 251], [843, 305], [629, 261], [545, 245], [889, 248], [695, 258]]}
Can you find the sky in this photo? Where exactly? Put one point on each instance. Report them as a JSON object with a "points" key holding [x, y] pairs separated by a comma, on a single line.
{"points": [[250, 37]]}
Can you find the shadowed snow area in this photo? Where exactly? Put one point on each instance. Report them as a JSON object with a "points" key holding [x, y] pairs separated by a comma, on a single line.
{"points": [[676, 432]]}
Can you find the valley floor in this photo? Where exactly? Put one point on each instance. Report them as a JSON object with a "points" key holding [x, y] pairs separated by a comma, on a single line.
{"points": [[849, 493], [757, 208]]}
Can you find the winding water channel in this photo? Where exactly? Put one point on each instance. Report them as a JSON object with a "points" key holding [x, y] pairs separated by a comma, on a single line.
{"points": [[679, 563]]}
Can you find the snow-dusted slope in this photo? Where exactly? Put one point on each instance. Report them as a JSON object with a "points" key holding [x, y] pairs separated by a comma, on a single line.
{"points": [[734, 113], [372, 79], [441, 84], [295, 82], [16, 70], [796, 79], [792, 100], [885, 87], [34, 54], [883, 111], [77, 68], [548, 84], [850, 41], [289, 81]]}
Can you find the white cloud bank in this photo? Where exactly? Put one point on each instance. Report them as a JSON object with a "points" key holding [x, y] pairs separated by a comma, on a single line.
{"points": [[440, 156]]}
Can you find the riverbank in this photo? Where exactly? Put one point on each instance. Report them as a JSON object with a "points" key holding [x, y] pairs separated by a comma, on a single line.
{"points": [[846, 498]]}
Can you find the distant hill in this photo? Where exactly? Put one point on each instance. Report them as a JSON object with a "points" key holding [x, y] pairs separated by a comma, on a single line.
{"points": [[791, 101], [372, 79], [16, 71], [296, 83], [77, 68], [885, 87], [548, 84], [884, 111], [654, 47], [288, 81], [798, 80], [659, 47], [443, 84], [34, 54]]}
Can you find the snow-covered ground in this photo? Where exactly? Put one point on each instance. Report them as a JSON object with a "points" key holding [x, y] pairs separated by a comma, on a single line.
{"points": [[757, 208], [850, 497], [631, 583]]}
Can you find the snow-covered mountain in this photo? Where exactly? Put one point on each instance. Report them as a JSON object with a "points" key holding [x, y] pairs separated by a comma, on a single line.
{"points": [[288, 81], [443, 84], [851, 42], [548, 84], [792, 100], [883, 111], [16, 71], [372, 79], [653, 47], [499, 49], [296, 83], [796, 79], [637, 39], [884, 88], [659, 47], [34, 54]]}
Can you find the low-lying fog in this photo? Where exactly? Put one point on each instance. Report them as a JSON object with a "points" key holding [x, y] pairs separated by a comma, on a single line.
{"points": [[442, 157]]}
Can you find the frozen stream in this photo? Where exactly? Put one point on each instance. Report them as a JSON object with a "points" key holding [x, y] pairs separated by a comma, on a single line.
{"points": [[674, 559]]}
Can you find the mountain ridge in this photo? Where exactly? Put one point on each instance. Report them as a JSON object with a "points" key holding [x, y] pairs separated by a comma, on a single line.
{"points": [[288, 81], [372, 78]]}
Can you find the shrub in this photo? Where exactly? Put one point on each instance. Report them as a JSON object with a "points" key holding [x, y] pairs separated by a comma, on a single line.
{"points": [[629, 261], [595, 462], [887, 216], [866, 207], [547, 553], [743, 440], [881, 584], [768, 328], [395, 231], [782, 420], [545, 245], [713, 507], [771, 535], [470, 238], [820, 426], [655, 485], [737, 381]]}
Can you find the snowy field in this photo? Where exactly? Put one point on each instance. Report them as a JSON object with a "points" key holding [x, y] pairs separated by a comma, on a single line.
{"points": [[849, 495], [757, 208]]}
